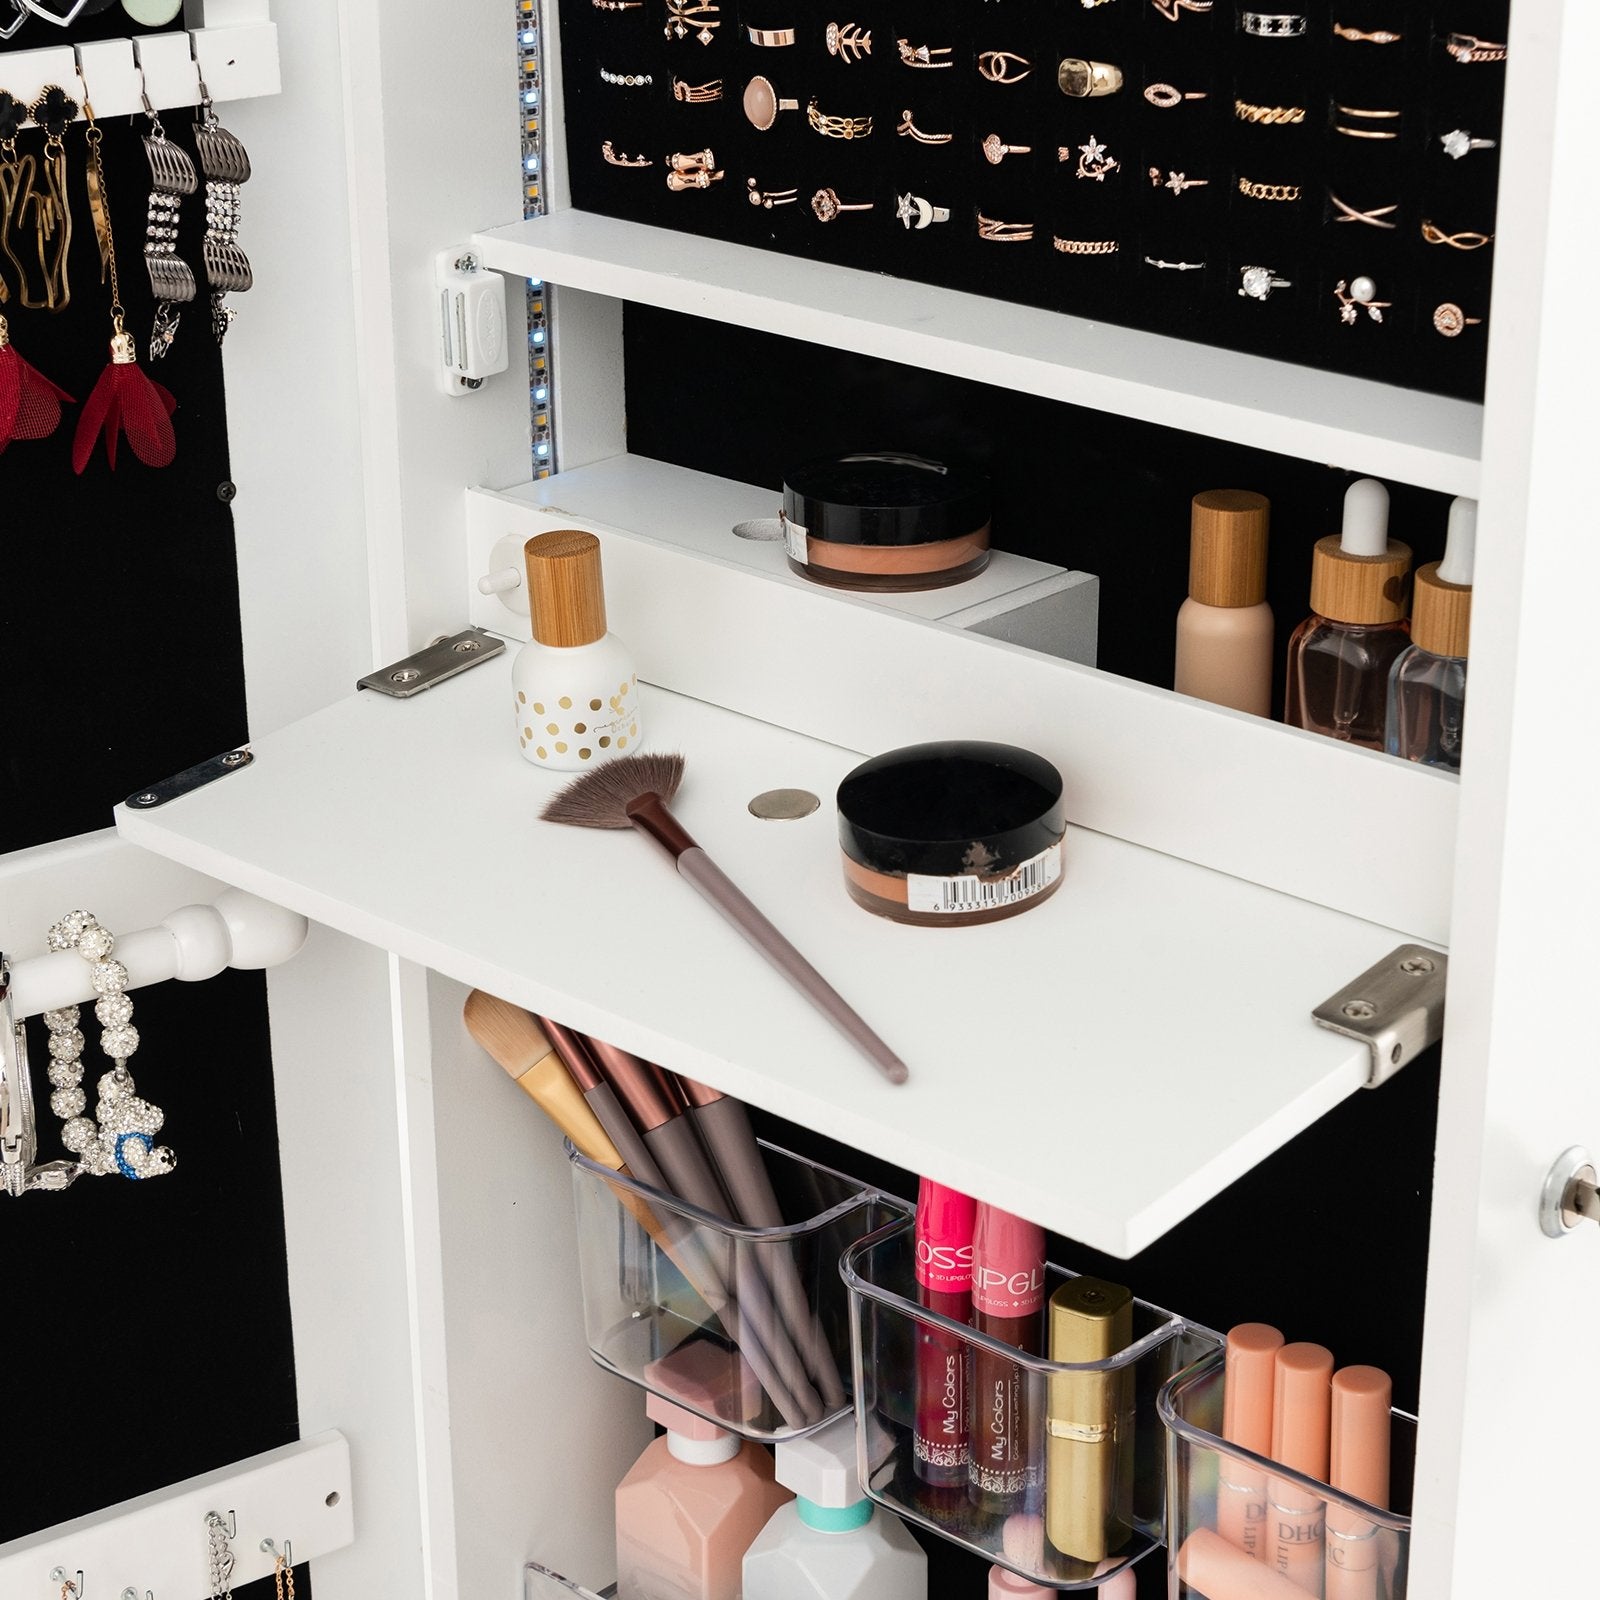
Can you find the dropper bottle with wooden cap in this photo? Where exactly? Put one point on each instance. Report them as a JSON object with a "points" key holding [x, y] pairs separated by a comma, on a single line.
{"points": [[1428, 683], [1224, 650], [1340, 656], [577, 697]]}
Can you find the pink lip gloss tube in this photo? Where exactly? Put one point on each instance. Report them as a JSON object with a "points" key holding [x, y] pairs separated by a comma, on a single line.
{"points": [[1247, 1421], [1302, 1375], [941, 1452], [1007, 1304], [1359, 1467]]}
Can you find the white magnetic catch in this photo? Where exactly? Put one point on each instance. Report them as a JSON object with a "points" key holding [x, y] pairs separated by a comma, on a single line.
{"points": [[472, 316]]}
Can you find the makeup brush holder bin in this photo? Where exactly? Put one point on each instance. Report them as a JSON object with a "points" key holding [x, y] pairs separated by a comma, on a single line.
{"points": [[1095, 1473], [1333, 1545], [747, 1327]]}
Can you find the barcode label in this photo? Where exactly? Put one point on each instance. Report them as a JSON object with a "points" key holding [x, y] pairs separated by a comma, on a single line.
{"points": [[794, 541], [924, 892]]}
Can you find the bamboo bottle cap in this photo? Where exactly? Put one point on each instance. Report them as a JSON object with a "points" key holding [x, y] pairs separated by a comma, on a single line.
{"points": [[1228, 547], [1365, 589], [1441, 613], [566, 597]]}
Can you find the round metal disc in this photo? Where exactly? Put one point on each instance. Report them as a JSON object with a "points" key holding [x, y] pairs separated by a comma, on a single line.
{"points": [[784, 805], [152, 13]]}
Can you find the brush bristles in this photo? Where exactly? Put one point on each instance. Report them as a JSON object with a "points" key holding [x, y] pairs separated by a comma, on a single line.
{"points": [[599, 799]]}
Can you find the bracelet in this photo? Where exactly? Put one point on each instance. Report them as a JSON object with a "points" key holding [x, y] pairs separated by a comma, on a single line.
{"points": [[629, 80], [907, 129], [1272, 24], [1470, 239], [1268, 191], [847, 41], [1356, 36], [1272, 116], [1449, 319], [1177, 182], [1175, 266], [1084, 247], [696, 94], [1004, 232], [696, 16], [1467, 47], [770, 38], [1373, 218], [1166, 96], [837, 127], [920, 55], [1000, 66], [617, 159], [770, 197]]}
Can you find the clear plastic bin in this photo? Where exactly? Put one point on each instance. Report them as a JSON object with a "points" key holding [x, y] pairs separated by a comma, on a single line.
{"points": [[541, 1583], [1335, 1546], [1089, 1455], [745, 1326]]}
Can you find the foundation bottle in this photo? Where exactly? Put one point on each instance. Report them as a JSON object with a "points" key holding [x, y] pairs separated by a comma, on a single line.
{"points": [[831, 1543], [1340, 656], [689, 1508], [1428, 683], [1225, 626], [576, 694]]}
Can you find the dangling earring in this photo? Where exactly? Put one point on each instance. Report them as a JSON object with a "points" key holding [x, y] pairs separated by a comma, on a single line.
{"points": [[123, 399], [46, 196], [30, 405], [172, 176], [13, 176], [226, 165]]}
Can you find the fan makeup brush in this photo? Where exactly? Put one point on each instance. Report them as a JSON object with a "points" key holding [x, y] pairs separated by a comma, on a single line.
{"points": [[635, 792]]}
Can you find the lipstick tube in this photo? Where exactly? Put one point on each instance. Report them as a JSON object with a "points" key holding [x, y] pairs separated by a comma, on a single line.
{"points": [[1007, 1298], [724, 1127], [1302, 1374], [1088, 1486], [1358, 1465], [941, 1444], [1212, 1567], [1247, 1421]]}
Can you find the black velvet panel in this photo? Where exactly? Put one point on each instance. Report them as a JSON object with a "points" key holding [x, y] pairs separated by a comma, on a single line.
{"points": [[1303, 241], [1098, 493]]}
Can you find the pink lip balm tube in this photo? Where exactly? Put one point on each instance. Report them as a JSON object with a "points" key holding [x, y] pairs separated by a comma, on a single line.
{"points": [[1358, 1467], [1246, 1421], [1302, 1374]]}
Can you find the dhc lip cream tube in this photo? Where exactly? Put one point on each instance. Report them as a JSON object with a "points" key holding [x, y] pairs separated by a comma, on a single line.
{"points": [[1358, 1466], [1210, 1566], [941, 1445], [1302, 1374], [1247, 1421]]}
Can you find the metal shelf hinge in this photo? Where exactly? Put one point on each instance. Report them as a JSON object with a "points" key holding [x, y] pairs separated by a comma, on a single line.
{"points": [[190, 779], [442, 659], [1396, 1008]]}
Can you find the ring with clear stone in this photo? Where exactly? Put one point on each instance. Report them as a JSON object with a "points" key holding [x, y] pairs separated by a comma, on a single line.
{"points": [[1257, 283], [915, 212], [1458, 142]]}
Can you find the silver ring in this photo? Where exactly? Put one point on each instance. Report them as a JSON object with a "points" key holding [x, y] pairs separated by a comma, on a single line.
{"points": [[1458, 142], [915, 212], [1272, 24], [19, 1139], [1257, 283], [1175, 266]]}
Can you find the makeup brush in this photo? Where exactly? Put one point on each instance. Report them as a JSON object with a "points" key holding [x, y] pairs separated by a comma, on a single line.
{"points": [[634, 792]]}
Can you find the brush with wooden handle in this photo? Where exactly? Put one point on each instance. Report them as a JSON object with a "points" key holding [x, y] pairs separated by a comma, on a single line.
{"points": [[635, 792]]}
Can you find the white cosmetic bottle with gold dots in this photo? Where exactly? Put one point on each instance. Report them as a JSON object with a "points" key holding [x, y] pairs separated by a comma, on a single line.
{"points": [[577, 698]]}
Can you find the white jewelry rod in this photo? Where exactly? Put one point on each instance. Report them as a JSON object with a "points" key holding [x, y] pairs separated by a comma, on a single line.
{"points": [[298, 1497], [239, 63], [194, 942]]}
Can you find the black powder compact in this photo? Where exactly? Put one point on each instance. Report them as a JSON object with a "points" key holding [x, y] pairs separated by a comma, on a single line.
{"points": [[886, 521], [952, 833]]}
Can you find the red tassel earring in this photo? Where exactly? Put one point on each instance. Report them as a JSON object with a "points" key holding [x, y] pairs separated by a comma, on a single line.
{"points": [[124, 400], [30, 405]]}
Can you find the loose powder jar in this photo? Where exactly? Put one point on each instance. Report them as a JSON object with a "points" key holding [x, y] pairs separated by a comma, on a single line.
{"points": [[951, 833], [885, 521]]}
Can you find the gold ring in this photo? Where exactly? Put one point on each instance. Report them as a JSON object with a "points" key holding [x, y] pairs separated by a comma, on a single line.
{"points": [[1469, 239], [763, 104], [1272, 116], [919, 55], [1356, 36], [696, 94], [700, 178], [847, 41], [1373, 218], [1084, 247], [768, 198], [618, 159], [827, 205], [1004, 232], [1177, 182], [1363, 133], [1269, 191], [907, 129], [1372, 116], [837, 127], [1466, 47], [770, 38], [995, 150], [1088, 80], [1166, 96], [692, 16], [1449, 319], [1170, 9], [1000, 66]]}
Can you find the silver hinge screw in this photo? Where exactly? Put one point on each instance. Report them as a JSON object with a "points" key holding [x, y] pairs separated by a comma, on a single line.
{"points": [[405, 675], [1417, 966], [1359, 1010], [467, 262]]}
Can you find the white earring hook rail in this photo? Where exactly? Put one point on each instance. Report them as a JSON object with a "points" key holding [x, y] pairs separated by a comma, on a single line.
{"points": [[235, 63], [192, 943]]}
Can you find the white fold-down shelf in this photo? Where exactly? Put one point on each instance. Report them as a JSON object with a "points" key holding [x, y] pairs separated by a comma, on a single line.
{"points": [[1103, 1064], [1402, 434]]}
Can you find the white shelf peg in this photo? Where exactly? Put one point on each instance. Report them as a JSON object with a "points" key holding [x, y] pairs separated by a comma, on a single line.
{"points": [[192, 943]]}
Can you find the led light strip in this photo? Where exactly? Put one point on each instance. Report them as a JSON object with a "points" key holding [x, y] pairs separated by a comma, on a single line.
{"points": [[530, 91]]}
